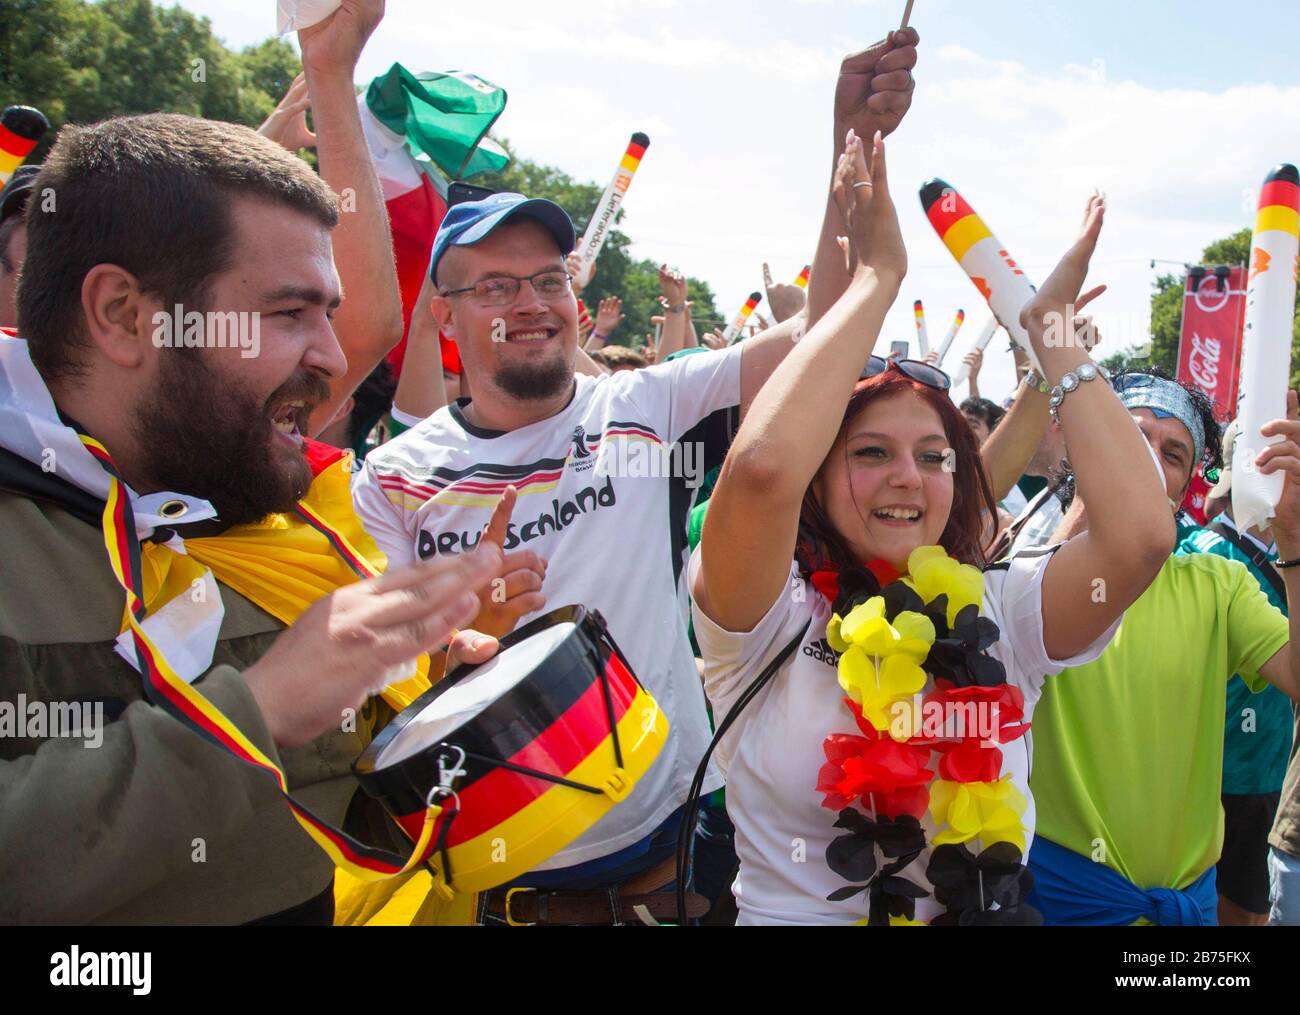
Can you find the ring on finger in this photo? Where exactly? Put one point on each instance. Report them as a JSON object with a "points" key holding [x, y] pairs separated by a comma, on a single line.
{"points": [[862, 183]]}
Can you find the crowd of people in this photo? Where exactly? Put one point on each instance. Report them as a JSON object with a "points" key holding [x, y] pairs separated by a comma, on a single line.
{"points": [[976, 666]]}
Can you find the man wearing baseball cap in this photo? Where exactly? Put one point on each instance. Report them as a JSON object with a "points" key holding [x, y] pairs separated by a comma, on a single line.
{"points": [[13, 239], [1257, 730], [575, 448], [565, 442]]}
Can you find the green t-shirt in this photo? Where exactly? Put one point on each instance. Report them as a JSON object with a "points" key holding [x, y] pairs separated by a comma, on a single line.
{"points": [[1257, 728], [1127, 751]]}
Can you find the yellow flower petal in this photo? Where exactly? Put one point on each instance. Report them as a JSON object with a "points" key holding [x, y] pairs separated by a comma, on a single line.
{"points": [[857, 672], [833, 637], [875, 637], [873, 609], [916, 634]]}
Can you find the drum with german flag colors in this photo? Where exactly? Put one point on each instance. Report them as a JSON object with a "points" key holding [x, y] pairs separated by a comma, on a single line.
{"points": [[522, 753]]}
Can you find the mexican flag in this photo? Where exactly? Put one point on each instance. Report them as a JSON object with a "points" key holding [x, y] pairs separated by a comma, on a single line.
{"points": [[425, 130]]}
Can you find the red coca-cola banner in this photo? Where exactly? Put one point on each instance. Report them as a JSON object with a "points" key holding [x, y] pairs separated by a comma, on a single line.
{"points": [[1209, 350]]}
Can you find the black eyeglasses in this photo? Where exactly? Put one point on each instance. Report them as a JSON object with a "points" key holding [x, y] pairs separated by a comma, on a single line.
{"points": [[503, 290], [916, 369]]}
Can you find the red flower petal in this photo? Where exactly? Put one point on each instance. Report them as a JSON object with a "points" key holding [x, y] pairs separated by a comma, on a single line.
{"points": [[884, 571], [971, 762], [827, 583]]}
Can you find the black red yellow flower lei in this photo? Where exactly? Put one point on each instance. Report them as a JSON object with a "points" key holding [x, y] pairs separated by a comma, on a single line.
{"points": [[885, 780]]}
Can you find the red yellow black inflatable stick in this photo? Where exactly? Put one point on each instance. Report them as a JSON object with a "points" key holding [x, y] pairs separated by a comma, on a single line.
{"points": [[922, 335], [733, 329], [21, 128], [952, 333], [598, 228], [1266, 341], [802, 280], [985, 260]]}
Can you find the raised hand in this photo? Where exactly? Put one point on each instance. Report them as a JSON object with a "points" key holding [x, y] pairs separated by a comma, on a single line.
{"points": [[974, 360], [673, 285], [518, 590], [573, 265], [785, 300], [335, 44], [714, 339], [649, 352], [287, 124], [609, 316], [351, 643], [1058, 299], [873, 241], [874, 91]]}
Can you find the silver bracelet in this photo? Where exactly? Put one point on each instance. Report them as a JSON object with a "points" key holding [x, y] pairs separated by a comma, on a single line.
{"points": [[1086, 372]]}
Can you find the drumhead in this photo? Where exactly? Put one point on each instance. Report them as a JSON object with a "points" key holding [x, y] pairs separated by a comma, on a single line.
{"points": [[470, 696]]}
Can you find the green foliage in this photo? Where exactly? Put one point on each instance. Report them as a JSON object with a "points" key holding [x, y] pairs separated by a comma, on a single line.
{"points": [[80, 62], [1167, 305], [617, 274]]}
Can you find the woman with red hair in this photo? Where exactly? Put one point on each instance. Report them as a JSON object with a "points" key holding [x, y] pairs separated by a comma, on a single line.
{"points": [[880, 774]]}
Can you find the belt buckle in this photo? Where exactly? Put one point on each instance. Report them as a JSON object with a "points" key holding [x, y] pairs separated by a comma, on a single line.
{"points": [[510, 920]]}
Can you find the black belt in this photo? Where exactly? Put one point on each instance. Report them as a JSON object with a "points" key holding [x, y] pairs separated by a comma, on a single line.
{"points": [[622, 905]]}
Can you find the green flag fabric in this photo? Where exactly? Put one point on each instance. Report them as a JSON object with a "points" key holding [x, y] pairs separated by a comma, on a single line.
{"points": [[444, 117]]}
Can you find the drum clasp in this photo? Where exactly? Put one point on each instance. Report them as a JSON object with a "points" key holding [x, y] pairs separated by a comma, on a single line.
{"points": [[618, 785]]}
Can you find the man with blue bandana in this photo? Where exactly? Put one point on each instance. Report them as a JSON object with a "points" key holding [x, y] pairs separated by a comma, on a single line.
{"points": [[1128, 750]]}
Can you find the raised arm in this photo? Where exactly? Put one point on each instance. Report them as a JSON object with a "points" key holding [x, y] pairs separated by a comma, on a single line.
{"points": [[1093, 578], [421, 390], [672, 284], [873, 93], [750, 530], [1014, 440], [369, 321]]}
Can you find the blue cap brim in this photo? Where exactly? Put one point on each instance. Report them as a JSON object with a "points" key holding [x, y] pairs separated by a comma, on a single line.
{"points": [[549, 214]]}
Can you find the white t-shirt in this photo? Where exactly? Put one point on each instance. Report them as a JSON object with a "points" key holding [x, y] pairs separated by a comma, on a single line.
{"points": [[773, 754], [596, 501]]}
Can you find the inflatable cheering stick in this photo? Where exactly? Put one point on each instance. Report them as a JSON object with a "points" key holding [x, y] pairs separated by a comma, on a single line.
{"points": [[21, 128], [733, 329], [598, 228], [981, 343], [998, 278], [922, 335], [1266, 343], [952, 333], [802, 280]]}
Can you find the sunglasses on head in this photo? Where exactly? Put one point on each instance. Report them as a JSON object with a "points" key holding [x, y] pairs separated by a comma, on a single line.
{"points": [[915, 369]]}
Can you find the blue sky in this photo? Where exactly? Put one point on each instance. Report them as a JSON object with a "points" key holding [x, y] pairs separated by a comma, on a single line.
{"points": [[1176, 110]]}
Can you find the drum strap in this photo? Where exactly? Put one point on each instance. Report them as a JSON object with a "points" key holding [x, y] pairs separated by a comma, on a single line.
{"points": [[686, 835], [168, 691]]}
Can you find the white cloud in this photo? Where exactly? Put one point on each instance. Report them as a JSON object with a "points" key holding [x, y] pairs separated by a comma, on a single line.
{"points": [[739, 117]]}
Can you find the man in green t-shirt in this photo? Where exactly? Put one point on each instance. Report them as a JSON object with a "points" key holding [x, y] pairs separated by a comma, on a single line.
{"points": [[1128, 750]]}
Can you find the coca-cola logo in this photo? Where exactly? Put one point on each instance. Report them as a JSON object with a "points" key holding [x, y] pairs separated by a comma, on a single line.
{"points": [[1203, 362]]}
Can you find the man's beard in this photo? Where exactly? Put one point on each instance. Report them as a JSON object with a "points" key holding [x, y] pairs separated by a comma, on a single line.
{"points": [[534, 381], [207, 438]]}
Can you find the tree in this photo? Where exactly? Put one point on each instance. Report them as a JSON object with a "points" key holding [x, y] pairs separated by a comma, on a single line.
{"points": [[79, 62], [636, 283], [1167, 305]]}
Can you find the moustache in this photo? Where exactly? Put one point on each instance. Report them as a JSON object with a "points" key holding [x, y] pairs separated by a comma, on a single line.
{"points": [[310, 388]]}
